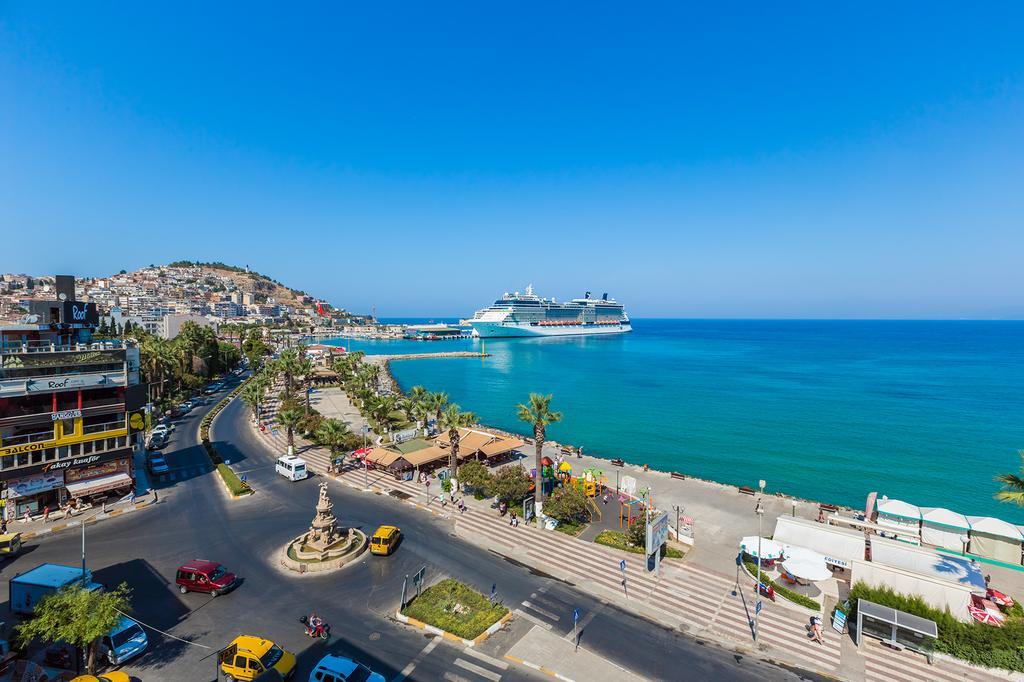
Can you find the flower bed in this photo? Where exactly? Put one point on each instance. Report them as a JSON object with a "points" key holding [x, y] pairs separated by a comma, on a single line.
{"points": [[612, 538], [782, 590], [456, 608]]}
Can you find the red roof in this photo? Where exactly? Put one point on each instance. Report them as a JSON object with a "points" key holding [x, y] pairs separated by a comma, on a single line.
{"points": [[199, 565]]}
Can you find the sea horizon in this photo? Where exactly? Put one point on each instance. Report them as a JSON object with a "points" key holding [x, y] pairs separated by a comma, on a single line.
{"points": [[827, 410]]}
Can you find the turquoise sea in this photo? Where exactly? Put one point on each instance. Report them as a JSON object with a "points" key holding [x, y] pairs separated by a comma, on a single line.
{"points": [[923, 411]]}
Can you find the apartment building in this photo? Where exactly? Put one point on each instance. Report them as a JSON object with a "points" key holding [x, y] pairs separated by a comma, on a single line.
{"points": [[71, 408]]}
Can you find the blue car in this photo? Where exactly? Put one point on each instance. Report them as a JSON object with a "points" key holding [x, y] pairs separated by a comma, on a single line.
{"points": [[341, 669], [127, 640]]}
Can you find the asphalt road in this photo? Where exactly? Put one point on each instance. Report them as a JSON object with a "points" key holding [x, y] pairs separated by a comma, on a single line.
{"points": [[196, 519]]}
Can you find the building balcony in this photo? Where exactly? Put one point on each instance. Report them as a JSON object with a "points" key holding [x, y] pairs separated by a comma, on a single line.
{"points": [[8, 347], [50, 417]]}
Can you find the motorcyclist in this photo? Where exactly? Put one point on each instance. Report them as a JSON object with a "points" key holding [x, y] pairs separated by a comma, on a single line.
{"points": [[315, 625]]}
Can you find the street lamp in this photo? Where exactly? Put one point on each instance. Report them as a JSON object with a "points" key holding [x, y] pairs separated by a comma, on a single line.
{"points": [[794, 507], [759, 510]]}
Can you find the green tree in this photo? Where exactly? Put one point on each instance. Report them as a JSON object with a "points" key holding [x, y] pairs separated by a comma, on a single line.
{"points": [[538, 413], [1013, 485], [475, 475], [252, 396], [304, 375], [381, 409], [511, 484], [288, 364], [436, 403], [335, 436], [290, 418], [453, 419], [77, 616], [567, 504]]}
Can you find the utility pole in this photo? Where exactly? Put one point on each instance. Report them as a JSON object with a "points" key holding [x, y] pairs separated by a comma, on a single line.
{"points": [[759, 510]]}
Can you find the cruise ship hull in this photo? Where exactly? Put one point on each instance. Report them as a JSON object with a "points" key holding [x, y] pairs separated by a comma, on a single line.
{"points": [[488, 330]]}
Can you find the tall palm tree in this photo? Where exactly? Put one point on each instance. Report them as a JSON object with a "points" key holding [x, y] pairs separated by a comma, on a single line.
{"points": [[290, 419], [436, 403], [452, 419], [304, 373], [417, 405], [1014, 485], [288, 364], [381, 409], [334, 435], [538, 412], [252, 395]]}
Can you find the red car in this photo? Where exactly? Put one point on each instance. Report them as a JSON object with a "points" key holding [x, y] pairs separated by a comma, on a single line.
{"points": [[201, 575]]}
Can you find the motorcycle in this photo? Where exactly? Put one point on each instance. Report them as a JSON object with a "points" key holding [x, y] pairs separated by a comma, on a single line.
{"points": [[324, 633]]}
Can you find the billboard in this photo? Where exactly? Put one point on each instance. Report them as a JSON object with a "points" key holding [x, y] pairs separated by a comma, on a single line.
{"points": [[78, 312], [657, 532]]}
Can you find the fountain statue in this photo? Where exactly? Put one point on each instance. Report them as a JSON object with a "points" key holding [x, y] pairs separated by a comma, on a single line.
{"points": [[325, 545]]}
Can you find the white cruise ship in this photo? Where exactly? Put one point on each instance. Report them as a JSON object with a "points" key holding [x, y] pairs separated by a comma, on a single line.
{"points": [[530, 315]]}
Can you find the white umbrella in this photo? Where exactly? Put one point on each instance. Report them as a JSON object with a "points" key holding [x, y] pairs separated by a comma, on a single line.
{"points": [[805, 564], [770, 549]]}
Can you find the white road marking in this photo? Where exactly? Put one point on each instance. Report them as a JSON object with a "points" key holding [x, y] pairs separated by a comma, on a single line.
{"points": [[407, 670], [544, 612], [486, 659], [473, 668], [533, 619]]}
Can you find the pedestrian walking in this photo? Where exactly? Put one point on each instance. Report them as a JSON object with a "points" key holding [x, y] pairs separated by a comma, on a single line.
{"points": [[27, 517], [512, 519], [67, 510], [46, 513]]}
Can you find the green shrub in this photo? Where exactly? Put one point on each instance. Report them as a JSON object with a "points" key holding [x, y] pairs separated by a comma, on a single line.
{"points": [[236, 485], [973, 642], [617, 540], [455, 608], [795, 597], [567, 504]]}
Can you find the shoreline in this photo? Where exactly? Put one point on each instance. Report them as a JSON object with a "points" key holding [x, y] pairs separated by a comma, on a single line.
{"points": [[385, 362]]}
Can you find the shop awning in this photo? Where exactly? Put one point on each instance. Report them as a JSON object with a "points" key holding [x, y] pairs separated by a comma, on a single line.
{"points": [[99, 485]]}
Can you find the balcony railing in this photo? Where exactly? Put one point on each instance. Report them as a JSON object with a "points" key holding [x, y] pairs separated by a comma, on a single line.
{"points": [[25, 438], [106, 426], [42, 346]]}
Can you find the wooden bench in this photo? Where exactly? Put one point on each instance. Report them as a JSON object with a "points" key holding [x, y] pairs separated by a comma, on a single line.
{"points": [[746, 490], [676, 474]]}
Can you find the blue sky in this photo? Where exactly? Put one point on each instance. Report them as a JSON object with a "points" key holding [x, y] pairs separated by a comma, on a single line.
{"points": [[803, 160]]}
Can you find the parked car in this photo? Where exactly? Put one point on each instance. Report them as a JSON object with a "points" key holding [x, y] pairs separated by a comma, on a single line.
{"points": [[109, 676], [341, 669], [158, 465], [127, 640], [201, 575], [157, 440], [163, 429]]}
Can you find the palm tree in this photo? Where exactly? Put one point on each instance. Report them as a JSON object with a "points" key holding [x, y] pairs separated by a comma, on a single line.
{"points": [[451, 420], [417, 405], [334, 435], [436, 403], [304, 372], [252, 395], [538, 413], [381, 409], [290, 419], [1014, 485]]}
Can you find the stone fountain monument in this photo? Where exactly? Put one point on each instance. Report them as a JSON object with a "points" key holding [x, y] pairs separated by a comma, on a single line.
{"points": [[325, 546]]}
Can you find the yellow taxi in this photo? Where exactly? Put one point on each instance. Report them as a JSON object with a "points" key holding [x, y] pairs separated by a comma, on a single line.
{"points": [[112, 676], [385, 540], [248, 656], [10, 544]]}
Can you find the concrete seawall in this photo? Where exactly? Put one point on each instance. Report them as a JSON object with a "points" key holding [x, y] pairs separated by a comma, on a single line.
{"points": [[384, 361]]}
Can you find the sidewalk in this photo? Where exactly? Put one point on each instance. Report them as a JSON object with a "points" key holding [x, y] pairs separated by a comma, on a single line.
{"points": [[37, 528]]}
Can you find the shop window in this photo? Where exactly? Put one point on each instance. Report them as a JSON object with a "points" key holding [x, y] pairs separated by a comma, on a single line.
{"points": [[36, 457], [87, 447], [76, 449], [50, 454], [6, 461], [23, 459], [122, 441], [62, 452], [111, 443]]}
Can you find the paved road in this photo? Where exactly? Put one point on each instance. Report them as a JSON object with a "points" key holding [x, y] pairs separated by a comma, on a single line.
{"points": [[195, 519]]}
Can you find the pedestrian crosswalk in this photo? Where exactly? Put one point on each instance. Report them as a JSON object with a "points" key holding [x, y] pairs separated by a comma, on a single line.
{"points": [[883, 663]]}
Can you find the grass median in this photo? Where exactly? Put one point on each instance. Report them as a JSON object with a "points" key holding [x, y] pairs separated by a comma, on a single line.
{"points": [[456, 608]]}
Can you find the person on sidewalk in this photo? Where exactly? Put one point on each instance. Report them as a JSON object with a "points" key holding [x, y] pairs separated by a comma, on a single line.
{"points": [[27, 517], [46, 513], [3, 526]]}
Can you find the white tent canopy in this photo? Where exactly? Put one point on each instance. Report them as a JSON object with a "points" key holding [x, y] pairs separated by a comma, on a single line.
{"points": [[928, 562], [898, 508], [995, 539], [769, 548], [943, 528], [840, 546]]}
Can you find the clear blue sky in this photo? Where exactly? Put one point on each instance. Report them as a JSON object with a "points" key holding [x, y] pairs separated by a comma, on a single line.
{"points": [[742, 161]]}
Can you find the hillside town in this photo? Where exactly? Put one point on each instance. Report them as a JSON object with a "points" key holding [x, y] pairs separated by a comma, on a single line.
{"points": [[162, 298]]}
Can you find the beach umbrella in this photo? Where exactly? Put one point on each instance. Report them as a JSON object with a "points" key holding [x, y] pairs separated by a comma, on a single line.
{"points": [[546, 461], [770, 549], [565, 466], [805, 564]]}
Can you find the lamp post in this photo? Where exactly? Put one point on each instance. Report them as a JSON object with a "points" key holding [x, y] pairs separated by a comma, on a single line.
{"points": [[759, 510], [794, 508]]}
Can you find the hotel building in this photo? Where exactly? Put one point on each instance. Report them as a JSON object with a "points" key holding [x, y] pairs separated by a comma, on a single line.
{"points": [[71, 407]]}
